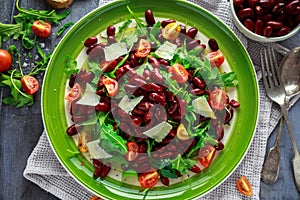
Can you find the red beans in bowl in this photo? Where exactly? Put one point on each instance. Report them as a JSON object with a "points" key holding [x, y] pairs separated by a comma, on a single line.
{"points": [[269, 18]]}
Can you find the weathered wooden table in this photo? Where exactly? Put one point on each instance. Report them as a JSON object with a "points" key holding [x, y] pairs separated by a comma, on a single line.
{"points": [[20, 129]]}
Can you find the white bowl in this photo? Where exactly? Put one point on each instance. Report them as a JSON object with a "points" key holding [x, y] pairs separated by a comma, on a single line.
{"points": [[257, 37]]}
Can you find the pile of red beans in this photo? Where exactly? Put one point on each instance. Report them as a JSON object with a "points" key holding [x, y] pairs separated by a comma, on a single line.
{"points": [[269, 18]]}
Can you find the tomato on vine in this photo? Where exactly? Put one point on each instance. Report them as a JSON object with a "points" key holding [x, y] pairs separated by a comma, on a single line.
{"points": [[41, 28]]}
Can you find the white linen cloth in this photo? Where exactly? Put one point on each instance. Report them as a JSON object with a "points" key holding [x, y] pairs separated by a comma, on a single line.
{"points": [[45, 170]]}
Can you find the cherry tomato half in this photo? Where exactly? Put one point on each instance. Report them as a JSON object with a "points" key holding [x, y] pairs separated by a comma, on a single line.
{"points": [[41, 28], [148, 179], [217, 99], [30, 84], [143, 49], [243, 185], [179, 73], [171, 31], [74, 93], [132, 151], [5, 60], [206, 155], [216, 58], [111, 86]]}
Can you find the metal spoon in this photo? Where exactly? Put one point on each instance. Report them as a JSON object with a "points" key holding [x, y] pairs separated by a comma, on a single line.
{"points": [[290, 76]]}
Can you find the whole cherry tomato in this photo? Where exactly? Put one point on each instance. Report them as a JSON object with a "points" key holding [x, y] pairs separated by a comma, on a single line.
{"points": [[41, 28], [148, 179], [179, 73], [216, 58], [5, 60], [143, 49], [206, 155], [30, 84], [217, 99], [132, 151], [74, 93]]}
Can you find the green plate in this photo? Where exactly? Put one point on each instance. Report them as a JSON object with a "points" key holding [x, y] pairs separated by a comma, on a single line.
{"points": [[243, 128]]}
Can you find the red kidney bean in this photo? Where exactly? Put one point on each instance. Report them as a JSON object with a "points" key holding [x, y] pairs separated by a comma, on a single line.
{"points": [[213, 44], [111, 31], [274, 24], [164, 62], [138, 112], [156, 76], [228, 116], [267, 3], [259, 27], [253, 3], [289, 7], [249, 24], [172, 133], [164, 180], [72, 79], [155, 97], [266, 17], [149, 17], [90, 41], [148, 117], [171, 147], [125, 127], [278, 8], [192, 32], [143, 149], [283, 31], [73, 129], [87, 77], [198, 92], [219, 146], [182, 29], [219, 132], [96, 53], [111, 39], [130, 89], [103, 107], [145, 167], [267, 31], [172, 108], [245, 13], [105, 170], [234, 103], [238, 3], [258, 10], [97, 172], [199, 83], [154, 62], [195, 169], [166, 22], [137, 80], [152, 87], [145, 106], [190, 45], [97, 163], [123, 114], [137, 120]]}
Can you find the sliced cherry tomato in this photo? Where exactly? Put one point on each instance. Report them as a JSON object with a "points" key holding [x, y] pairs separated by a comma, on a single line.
{"points": [[243, 185], [217, 99], [5, 60], [132, 151], [148, 179], [30, 84], [143, 49], [111, 86], [206, 155], [41, 28], [179, 73], [216, 58], [182, 133], [74, 93], [171, 31]]}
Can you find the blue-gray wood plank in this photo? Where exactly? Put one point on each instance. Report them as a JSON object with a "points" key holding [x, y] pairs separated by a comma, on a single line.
{"points": [[20, 129]]}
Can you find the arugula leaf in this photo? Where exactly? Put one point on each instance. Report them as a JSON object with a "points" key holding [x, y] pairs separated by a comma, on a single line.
{"points": [[109, 138], [229, 79], [10, 30], [63, 28], [123, 27], [70, 66], [182, 164], [141, 28], [169, 173]]}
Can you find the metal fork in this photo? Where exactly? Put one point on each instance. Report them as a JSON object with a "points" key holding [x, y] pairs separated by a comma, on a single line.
{"points": [[276, 92]]}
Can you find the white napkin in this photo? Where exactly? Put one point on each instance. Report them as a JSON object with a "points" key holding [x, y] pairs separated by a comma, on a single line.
{"points": [[45, 170]]}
